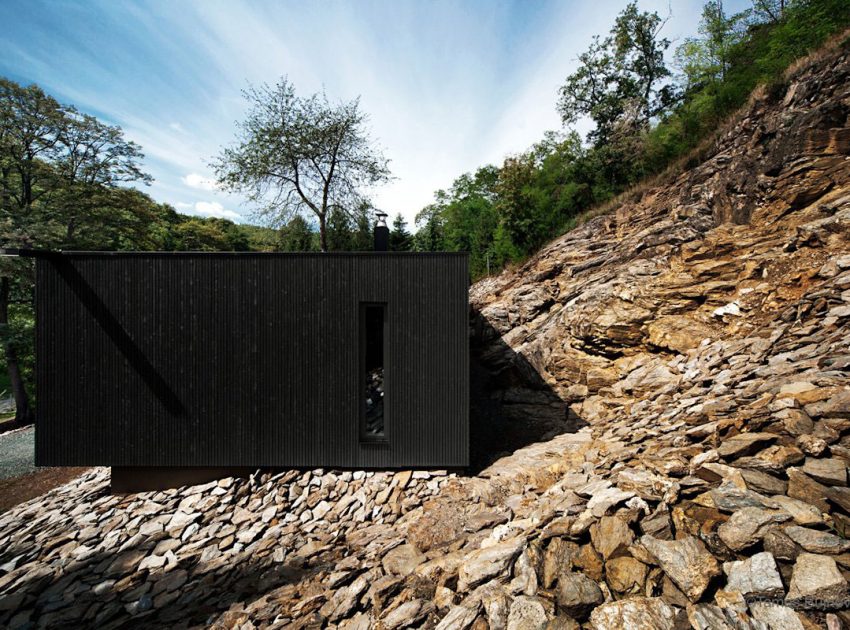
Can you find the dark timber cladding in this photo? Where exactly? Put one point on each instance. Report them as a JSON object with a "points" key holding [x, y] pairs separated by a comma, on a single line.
{"points": [[250, 359]]}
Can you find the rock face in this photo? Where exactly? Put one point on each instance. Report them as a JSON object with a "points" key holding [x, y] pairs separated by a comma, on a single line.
{"points": [[678, 374]]}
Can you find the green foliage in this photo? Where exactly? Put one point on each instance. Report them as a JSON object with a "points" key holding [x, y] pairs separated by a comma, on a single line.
{"points": [[340, 231], [20, 334], [260, 238], [621, 80], [362, 238], [345, 233], [430, 237], [296, 236], [464, 218], [400, 239], [209, 235]]}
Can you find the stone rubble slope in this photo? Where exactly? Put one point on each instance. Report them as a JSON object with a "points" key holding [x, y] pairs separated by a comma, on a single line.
{"points": [[701, 333], [81, 556]]}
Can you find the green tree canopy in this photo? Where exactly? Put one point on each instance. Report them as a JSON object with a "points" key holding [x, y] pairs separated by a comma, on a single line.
{"points": [[340, 231], [296, 236], [59, 177], [622, 78]]}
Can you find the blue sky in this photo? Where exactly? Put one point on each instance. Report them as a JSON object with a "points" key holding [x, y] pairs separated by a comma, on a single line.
{"points": [[449, 85]]}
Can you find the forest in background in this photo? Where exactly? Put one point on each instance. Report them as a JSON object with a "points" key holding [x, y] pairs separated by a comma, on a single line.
{"points": [[67, 179]]}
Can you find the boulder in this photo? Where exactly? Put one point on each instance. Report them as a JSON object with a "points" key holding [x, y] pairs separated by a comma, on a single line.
{"points": [[601, 502], [402, 560], [588, 561], [743, 444], [647, 485], [776, 617], [577, 595], [838, 406], [747, 526], [711, 617], [407, 614], [556, 558], [344, 599], [804, 488], [625, 575], [611, 536], [685, 561], [483, 564], [460, 617], [817, 583], [756, 576], [527, 613], [831, 471], [815, 541], [803, 513], [646, 613]]}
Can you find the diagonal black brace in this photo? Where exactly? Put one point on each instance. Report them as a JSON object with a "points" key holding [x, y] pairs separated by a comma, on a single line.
{"points": [[112, 327]]}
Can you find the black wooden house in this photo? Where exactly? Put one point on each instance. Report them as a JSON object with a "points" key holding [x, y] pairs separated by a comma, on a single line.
{"points": [[252, 359]]}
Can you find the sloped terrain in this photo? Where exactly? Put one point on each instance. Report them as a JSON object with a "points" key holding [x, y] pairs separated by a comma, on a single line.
{"points": [[684, 365]]}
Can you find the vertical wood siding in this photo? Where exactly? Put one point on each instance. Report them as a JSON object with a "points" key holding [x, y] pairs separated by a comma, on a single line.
{"points": [[247, 359]]}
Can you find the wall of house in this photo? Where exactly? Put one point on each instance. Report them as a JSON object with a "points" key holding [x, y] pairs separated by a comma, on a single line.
{"points": [[248, 359]]}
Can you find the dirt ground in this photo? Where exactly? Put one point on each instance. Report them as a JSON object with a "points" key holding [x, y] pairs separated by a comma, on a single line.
{"points": [[19, 489]]}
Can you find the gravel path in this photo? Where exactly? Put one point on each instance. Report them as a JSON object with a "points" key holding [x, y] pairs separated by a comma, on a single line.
{"points": [[17, 453]]}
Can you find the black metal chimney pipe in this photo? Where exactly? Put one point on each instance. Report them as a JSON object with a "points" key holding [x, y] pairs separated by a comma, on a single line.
{"points": [[382, 233]]}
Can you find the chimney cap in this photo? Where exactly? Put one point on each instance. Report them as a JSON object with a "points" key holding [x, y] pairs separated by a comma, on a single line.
{"points": [[381, 218]]}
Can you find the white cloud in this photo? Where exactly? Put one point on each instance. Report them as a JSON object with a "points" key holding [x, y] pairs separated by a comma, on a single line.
{"points": [[214, 209], [182, 205], [176, 126], [193, 180]]}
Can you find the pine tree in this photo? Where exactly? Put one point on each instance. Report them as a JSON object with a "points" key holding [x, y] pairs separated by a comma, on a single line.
{"points": [[362, 239], [400, 238], [339, 231]]}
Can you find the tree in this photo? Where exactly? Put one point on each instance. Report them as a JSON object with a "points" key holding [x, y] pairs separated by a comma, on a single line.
{"points": [[300, 155], [400, 239], [706, 59], [363, 238], [59, 170], [621, 79], [296, 236], [516, 204], [464, 218], [771, 11], [195, 234], [339, 231], [430, 232]]}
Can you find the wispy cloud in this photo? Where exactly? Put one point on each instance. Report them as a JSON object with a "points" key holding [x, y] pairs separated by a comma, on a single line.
{"points": [[194, 180]]}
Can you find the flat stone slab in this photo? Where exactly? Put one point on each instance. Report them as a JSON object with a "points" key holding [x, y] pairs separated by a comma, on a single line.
{"points": [[817, 583]]}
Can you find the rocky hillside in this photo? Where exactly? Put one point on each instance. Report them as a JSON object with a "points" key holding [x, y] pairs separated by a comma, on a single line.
{"points": [[677, 374], [702, 332]]}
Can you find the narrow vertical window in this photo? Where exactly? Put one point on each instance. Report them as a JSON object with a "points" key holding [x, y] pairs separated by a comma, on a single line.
{"points": [[372, 378]]}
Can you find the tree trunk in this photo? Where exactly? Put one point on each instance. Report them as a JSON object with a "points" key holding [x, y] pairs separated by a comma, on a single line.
{"points": [[323, 233], [23, 413]]}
